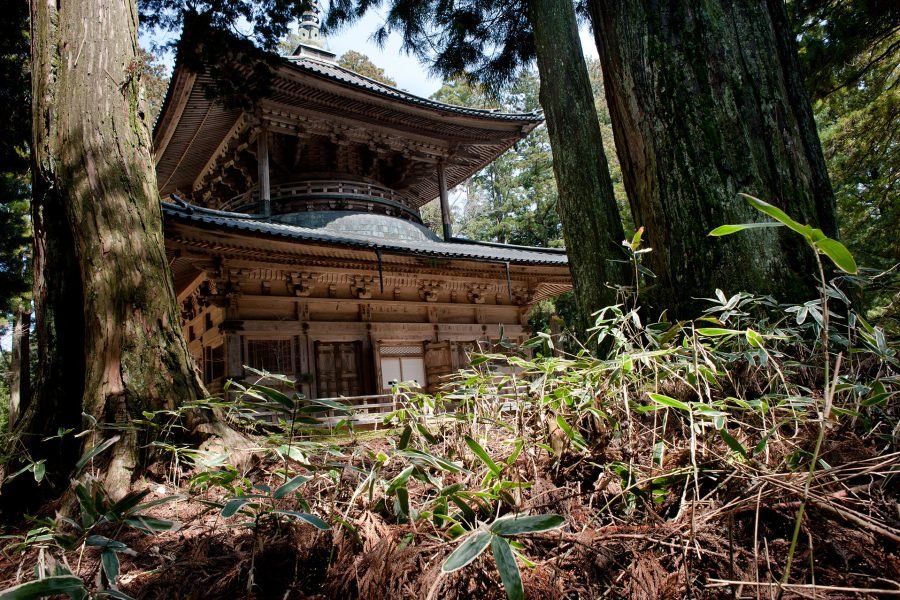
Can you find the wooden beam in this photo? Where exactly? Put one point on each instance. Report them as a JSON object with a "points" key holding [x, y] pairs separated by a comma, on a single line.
{"points": [[262, 157], [445, 202]]}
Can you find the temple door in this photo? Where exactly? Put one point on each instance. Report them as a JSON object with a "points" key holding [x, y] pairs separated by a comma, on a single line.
{"points": [[438, 364], [338, 369]]}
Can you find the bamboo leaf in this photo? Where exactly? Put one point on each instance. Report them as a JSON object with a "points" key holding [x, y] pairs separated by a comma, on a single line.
{"points": [[405, 437], [467, 551], [49, 586], [483, 455], [273, 395], [839, 255], [94, 452], [289, 486], [723, 230], [670, 402], [779, 215], [313, 520], [716, 331], [754, 338], [531, 524], [733, 443], [152, 524], [575, 437], [400, 480], [110, 566], [509, 570]]}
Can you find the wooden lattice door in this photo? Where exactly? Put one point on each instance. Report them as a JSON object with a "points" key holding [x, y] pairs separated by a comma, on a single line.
{"points": [[339, 369]]}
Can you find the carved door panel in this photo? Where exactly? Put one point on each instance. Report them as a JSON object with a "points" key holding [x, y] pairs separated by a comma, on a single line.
{"points": [[338, 369], [350, 379], [438, 364]]}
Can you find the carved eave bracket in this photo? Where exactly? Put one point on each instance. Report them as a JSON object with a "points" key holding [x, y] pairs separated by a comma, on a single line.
{"points": [[429, 290], [522, 296], [301, 284], [362, 287], [477, 293]]}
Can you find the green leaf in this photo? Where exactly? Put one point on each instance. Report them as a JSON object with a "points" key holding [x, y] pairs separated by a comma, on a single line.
{"points": [[101, 541], [94, 452], [403, 501], [467, 551], [430, 437], [289, 486], [483, 455], [400, 480], [754, 338], [532, 524], [724, 230], [716, 331], [232, 506], [273, 395], [667, 401], [404, 438], [779, 215], [110, 566], [152, 524], [733, 443], [509, 570], [49, 586], [39, 470], [838, 254], [313, 520], [575, 437]]}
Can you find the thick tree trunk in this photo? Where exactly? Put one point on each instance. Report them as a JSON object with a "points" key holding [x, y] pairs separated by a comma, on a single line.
{"points": [[20, 366], [592, 228], [706, 101], [109, 340]]}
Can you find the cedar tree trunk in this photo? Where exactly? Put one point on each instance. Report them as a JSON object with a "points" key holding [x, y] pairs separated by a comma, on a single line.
{"points": [[20, 366], [592, 227], [707, 100], [109, 337]]}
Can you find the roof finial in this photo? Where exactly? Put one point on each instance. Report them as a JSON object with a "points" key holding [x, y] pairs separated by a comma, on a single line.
{"points": [[310, 21]]}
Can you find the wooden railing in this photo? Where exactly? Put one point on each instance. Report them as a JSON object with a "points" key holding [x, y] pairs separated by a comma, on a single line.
{"points": [[361, 410], [330, 188]]}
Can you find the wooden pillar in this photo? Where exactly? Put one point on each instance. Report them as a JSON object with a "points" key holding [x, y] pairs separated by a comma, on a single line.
{"points": [[262, 157], [445, 202]]}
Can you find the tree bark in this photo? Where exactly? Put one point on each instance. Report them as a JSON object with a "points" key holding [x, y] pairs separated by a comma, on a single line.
{"points": [[20, 366], [108, 335], [706, 101], [592, 228]]}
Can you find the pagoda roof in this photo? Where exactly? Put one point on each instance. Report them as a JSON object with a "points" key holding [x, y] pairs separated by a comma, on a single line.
{"points": [[309, 96], [362, 231]]}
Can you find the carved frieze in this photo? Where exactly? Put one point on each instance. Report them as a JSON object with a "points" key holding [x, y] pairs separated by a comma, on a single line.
{"points": [[301, 284], [429, 290], [362, 287], [522, 296], [477, 293]]}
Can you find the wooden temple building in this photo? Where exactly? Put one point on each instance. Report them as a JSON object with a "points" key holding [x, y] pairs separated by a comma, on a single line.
{"points": [[295, 239]]}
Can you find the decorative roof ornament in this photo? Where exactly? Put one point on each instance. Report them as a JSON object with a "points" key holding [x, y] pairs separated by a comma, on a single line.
{"points": [[310, 22], [312, 42]]}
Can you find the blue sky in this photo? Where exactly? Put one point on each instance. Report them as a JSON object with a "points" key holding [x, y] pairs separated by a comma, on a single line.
{"points": [[402, 68]]}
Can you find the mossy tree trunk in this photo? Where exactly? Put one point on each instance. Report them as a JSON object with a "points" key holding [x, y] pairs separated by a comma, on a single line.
{"points": [[108, 334], [707, 101], [592, 227]]}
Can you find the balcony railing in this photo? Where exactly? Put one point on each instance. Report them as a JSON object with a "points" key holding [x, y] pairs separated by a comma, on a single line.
{"points": [[319, 190]]}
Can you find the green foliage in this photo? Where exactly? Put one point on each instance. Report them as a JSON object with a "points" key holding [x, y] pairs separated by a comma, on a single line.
{"points": [[496, 537], [362, 64], [15, 136], [849, 54], [817, 240], [490, 40]]}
